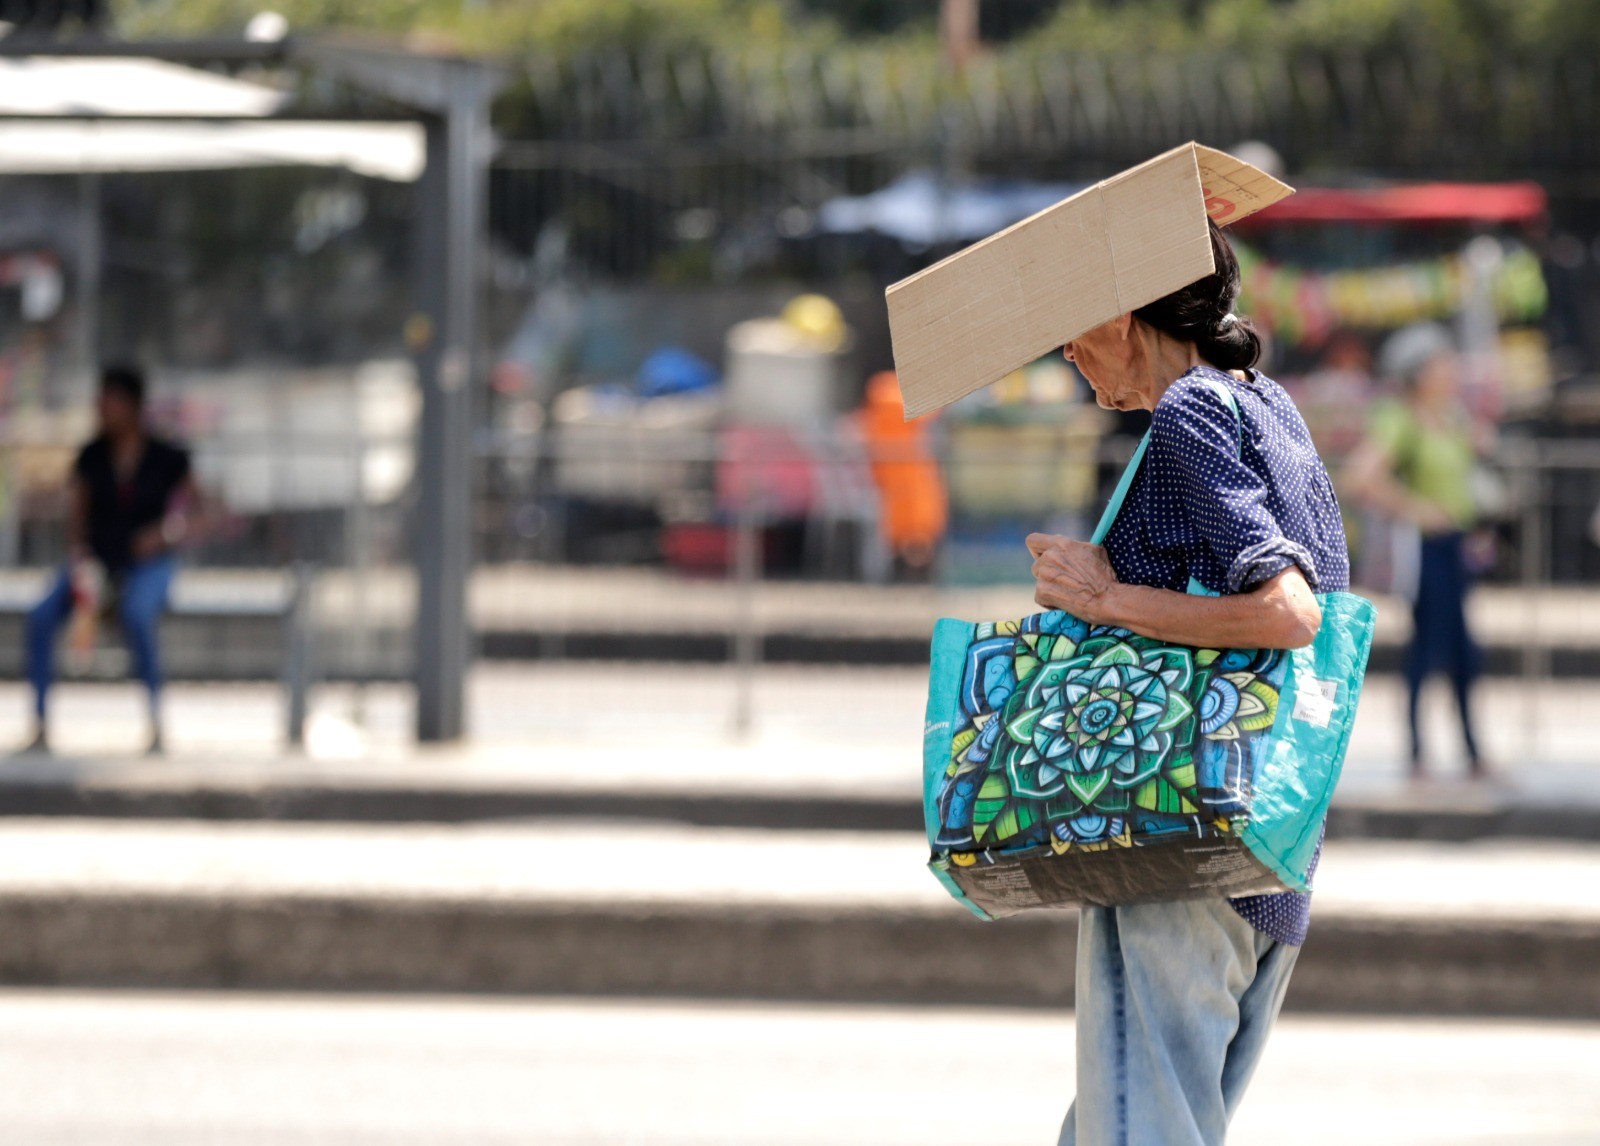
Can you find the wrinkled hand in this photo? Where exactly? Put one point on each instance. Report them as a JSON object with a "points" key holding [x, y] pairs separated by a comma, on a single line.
{"points": [[1071, 575]]}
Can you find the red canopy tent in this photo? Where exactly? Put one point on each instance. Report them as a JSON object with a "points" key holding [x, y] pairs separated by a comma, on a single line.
{"points": [[1410, 203]]}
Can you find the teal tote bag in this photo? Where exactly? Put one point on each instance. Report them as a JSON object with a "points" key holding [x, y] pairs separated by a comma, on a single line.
{"points": [[1066, 763]]}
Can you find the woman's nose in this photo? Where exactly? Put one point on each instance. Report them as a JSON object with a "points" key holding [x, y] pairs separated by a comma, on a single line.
{"points": [[1066, 352]]}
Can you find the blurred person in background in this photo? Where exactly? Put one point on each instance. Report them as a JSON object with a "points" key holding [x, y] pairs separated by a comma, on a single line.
{"points": [[131, 498], [1334, 397], [906, 472], [1417, 465]]}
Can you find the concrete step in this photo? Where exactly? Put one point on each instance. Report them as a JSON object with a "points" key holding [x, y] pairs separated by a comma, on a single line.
{"points": [[626, 908], [1448, 815], [784, 779]]}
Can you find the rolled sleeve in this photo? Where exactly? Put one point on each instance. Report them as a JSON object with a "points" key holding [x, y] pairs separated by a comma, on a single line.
{"points": [[1198, 437], [1265, 561]]}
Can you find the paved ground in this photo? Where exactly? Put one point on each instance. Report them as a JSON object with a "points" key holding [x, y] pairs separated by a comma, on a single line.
{"points": [[630, 907], [108, 1069], [628, 600], [624, 727], [576, 863], [721, 912]]}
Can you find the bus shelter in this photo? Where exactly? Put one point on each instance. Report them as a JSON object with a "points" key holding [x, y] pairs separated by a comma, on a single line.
{"points": [[93, 107]]}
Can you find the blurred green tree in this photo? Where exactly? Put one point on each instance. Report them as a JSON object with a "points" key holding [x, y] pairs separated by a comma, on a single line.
{"points": [[1447, 30]]}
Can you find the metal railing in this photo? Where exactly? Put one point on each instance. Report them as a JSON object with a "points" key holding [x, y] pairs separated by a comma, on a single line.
{"points": [[1380, 108], [760, 609], [702, 576]]}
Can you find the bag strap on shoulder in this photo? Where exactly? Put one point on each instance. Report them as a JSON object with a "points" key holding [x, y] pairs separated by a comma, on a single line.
{"points": [[1120, 494]]}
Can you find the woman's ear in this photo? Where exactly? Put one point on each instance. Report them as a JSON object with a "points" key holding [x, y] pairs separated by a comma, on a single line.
{"points": [[1137, 352]]}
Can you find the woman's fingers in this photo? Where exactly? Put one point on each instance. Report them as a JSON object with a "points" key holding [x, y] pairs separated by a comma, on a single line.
{"points": [[1069, 574], [1057, 577], [1039, 543], [1064, 553], [1055, 568]]}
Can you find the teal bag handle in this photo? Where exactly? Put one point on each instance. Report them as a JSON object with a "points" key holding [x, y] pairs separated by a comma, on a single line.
{"points": [[1120, 493]]}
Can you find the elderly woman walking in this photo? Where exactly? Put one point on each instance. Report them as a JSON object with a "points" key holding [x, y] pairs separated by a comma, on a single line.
{"points": [[1229, 528]]}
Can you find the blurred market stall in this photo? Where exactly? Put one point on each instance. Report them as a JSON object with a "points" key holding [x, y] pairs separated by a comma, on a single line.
{"points": [[1331, 270]]}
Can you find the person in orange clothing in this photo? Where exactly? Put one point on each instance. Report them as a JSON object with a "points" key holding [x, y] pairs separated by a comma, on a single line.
{"points": [[915, 507]]}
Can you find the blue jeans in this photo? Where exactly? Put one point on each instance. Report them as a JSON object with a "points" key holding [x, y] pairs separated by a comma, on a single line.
{"points": [[1441, 639], [1174, 1005], [142, 598]]}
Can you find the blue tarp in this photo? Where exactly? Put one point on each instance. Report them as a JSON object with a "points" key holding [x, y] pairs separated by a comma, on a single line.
{"points": [[923, 209]]}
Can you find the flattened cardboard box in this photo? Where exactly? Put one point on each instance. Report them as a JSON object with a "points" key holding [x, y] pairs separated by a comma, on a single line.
{"points": [[974, 317]]}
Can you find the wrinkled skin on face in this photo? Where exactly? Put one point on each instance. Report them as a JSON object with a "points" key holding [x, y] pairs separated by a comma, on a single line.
{"points": [[1117, 361]]}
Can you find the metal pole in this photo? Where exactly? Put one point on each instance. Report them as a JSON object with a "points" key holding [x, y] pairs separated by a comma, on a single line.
{"points": [[297, 663], [89, 272], [358, 571], [450, 224], [746, 634], [1535, 659]]}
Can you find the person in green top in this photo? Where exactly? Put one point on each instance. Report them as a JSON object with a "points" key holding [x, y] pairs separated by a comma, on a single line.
{"points": [[1417, 466]]}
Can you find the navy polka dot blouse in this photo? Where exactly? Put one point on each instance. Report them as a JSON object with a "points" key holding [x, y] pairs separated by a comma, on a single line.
{"points": [[1232, 501]]}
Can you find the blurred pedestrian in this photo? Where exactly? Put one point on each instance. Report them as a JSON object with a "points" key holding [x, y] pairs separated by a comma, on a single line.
{"points": [[906, 472], [1335, 396], [1418, 465], [131, 498]]}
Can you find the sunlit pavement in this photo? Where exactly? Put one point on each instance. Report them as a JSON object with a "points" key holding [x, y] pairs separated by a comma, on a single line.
{"points": [[155, 882], [122, 1069], [656, 720], [570, 862]]}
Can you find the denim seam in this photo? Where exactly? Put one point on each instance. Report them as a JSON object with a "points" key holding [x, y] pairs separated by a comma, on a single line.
{"points": [[1121, 1027]]}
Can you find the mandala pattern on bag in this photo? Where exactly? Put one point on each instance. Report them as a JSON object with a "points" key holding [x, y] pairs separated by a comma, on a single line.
{"points": [[1092, 737]]}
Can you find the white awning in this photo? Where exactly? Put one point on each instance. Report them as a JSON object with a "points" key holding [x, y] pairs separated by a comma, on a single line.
{"points": [[71, 109], [51, 85], [43, 147]]}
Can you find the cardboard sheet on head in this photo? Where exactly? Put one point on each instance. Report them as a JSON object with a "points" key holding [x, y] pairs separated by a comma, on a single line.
{"points": [[974, 317]]}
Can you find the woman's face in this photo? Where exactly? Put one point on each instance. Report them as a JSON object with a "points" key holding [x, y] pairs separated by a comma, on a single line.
{"points": [[1437, 382], [1112, 358], [118, 413]]}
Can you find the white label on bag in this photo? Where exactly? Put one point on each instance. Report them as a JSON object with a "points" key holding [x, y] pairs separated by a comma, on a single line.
{"points": [[1313, 703]]}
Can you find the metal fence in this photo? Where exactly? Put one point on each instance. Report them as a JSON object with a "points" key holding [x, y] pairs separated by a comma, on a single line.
{"points": [[748, 602], [1091, 112], [697, 578]]}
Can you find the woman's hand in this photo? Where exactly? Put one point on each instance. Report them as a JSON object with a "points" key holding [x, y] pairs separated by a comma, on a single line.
{"points": [[148, 542], [1280, 613], [1071, 575]]}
